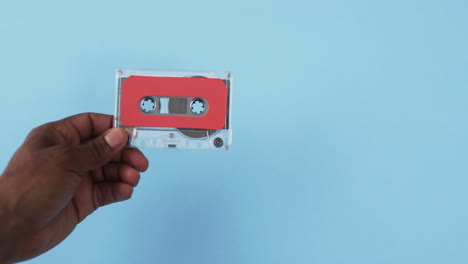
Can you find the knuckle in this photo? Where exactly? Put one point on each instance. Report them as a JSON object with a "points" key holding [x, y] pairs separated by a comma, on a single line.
{"points": [[40, 130], [97, 149], [98, 200], [64, 155]]}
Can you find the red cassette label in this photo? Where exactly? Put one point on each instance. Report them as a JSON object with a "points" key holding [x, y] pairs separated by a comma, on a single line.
{"points": [[135, 88]]}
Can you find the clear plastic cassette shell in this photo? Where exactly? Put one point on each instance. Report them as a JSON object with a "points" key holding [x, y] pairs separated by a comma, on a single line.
{"points": [[175, 109]]}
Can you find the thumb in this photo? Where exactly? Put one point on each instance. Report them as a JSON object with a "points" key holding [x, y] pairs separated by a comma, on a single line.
{"points": [[99, 151]]}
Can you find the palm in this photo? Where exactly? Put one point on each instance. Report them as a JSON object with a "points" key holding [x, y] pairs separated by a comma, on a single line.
{"points": [[59, 196], [83, 203]]}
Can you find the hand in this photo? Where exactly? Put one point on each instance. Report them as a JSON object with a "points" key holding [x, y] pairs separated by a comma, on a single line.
{"points": [[63, 172]]}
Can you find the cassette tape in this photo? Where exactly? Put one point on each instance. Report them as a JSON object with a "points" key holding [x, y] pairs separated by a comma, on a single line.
{"points": [[175, 109]]}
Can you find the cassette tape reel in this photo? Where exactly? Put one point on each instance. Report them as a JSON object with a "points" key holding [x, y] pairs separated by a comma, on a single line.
{"points": [[175, 109]]}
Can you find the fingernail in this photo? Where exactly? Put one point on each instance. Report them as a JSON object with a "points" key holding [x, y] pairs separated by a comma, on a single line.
{"points": [[115, 137]]}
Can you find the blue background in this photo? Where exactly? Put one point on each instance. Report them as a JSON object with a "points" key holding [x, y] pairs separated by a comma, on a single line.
{"points": [[349, 117]]}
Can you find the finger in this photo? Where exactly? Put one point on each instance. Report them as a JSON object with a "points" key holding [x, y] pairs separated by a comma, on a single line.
{"points": [[105, 193], [118, 156], [135, 158], [81, 127], [97, 152], [127, 151], [121, 172]]}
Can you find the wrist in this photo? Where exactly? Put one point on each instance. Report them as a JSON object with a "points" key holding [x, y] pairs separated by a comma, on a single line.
{"points": [[6, 223]]}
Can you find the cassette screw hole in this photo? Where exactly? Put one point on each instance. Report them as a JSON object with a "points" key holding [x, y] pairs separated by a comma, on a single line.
{"points": [[218, 142], [198, 106], [147, 105]]}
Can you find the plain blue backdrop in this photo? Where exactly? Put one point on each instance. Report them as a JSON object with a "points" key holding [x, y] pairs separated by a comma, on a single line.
{"points": [[349, 126]]}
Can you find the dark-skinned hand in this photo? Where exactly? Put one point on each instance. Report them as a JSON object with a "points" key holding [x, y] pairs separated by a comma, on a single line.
{"points": [[63, 172]]}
